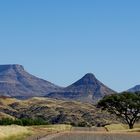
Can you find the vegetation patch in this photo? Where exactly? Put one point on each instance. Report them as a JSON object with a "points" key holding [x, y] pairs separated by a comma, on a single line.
{"points": [[22, 122], [42, 111]]}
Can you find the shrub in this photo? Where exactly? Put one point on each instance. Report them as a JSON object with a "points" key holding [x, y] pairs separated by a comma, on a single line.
{"points": [[23, 122]]}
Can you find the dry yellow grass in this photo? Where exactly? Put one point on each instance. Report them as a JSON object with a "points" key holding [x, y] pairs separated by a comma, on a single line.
{"points": [[52, 128], [114, 127], [122, 128], [7, 101], [59, 127], [13, 131]]}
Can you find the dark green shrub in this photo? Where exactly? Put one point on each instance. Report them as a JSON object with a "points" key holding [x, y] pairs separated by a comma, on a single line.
{"points": [[23, 122]]}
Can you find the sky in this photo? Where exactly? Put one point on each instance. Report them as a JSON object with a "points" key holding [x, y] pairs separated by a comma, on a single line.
{"points": [[62, 40]]}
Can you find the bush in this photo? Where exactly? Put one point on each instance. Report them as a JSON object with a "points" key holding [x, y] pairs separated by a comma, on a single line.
{"points": [[23, 122]]}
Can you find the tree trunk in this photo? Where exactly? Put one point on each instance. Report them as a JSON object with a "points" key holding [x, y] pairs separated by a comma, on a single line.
{"points": [[131, 126]]}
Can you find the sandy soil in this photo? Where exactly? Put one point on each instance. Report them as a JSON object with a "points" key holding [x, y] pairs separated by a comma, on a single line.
{"points": [[79, 135]]}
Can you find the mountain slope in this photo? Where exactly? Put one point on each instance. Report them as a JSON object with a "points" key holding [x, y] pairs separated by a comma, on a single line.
{"points": [[134, 89], [87, 89], [15, 81]]}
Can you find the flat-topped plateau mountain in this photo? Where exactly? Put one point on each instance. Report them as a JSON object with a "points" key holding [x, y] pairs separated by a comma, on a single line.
{"points": [[16, 82]]}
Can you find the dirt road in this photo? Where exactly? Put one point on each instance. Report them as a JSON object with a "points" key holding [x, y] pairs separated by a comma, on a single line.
{"points": [[93, 136]]}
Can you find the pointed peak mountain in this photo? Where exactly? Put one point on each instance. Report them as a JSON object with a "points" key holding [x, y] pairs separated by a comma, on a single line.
{"points": [[87, 79], [87, 89], [89, 76]]}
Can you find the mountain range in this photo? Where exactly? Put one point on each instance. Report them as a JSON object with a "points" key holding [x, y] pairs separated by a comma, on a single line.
{"points": [[134, 89], [15, 81]]}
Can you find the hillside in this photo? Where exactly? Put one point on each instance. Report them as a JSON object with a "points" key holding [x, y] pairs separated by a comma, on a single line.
{"points": [[55, 111], [87, 89], [16, 82]]}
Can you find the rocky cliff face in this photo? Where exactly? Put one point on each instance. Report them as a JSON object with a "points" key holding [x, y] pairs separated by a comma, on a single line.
{"points": [[15, 81], [87, 89]]}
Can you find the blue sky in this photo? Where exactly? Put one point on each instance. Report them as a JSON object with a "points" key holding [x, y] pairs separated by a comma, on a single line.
{"points": [[61, 40]]}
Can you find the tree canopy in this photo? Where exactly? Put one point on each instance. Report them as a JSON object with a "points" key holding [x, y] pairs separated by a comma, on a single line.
{"points": [[125, 106]]}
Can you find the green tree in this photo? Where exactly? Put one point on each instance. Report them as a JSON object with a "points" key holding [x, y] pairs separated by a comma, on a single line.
{"points": [[125, 105]]}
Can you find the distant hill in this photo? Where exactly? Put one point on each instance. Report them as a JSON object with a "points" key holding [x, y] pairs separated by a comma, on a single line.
{"points": [[87, 89], [54, 111], [135, 88], [16, 82]]}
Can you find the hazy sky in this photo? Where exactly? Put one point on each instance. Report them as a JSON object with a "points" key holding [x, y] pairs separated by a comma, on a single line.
{"points": [[61, 40]]}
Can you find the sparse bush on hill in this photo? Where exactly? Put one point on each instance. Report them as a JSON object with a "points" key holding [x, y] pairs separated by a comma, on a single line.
{"points": [[54, 112], [22, 122]]}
